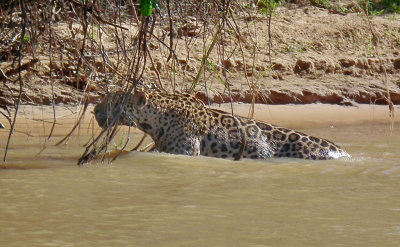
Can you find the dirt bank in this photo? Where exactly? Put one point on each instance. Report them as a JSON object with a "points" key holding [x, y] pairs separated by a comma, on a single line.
{"points": [[323, 57], [317, 56]]}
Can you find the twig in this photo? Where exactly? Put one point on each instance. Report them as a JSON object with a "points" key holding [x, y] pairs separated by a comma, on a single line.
{"points": [[160, 84], [123, 148], [269, 20], [90, 153], [76, 124], [8, 117], [90, 10], [3, 76], [225, 8], [163, 43], [148, 148], [139, 143], [21, 83], [82, 50], [171, 31], [53, 103], [205, 57], [238, 35]]}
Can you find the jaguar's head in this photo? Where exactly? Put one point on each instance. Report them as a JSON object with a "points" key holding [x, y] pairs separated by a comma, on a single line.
{"points": [[120, 108]]}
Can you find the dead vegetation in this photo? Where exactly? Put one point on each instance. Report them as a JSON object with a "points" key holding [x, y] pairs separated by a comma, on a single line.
{"points": [[94, 46], [75, 51]]}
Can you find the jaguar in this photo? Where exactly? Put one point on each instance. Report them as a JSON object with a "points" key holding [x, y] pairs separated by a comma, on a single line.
{"points": [[180, 123]]}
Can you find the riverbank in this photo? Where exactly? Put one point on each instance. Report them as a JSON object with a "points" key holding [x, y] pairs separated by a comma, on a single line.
{"points": [[317, 56]]}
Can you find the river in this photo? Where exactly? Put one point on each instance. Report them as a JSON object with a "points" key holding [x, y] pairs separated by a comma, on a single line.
{"points": [[153, 199]]}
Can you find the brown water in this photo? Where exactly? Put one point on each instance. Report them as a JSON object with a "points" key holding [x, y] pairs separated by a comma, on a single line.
{"points": [[147, 199]]}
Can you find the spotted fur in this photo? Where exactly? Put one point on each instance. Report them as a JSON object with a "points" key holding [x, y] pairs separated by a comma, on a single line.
{"points": [[182, 124]]}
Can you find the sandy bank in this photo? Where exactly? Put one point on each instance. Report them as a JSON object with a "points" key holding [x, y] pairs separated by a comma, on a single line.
{"points": [[37, 121]]}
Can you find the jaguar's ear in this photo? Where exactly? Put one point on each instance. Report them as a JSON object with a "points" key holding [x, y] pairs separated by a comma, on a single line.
{"points": [[139, 99]]}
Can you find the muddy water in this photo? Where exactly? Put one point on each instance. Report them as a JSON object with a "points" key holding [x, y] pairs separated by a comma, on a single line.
{"points": [[164, 200]]}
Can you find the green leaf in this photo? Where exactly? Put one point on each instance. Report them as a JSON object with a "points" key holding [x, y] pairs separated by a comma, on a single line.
{"points": [[27, 38], [146, 7]]}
